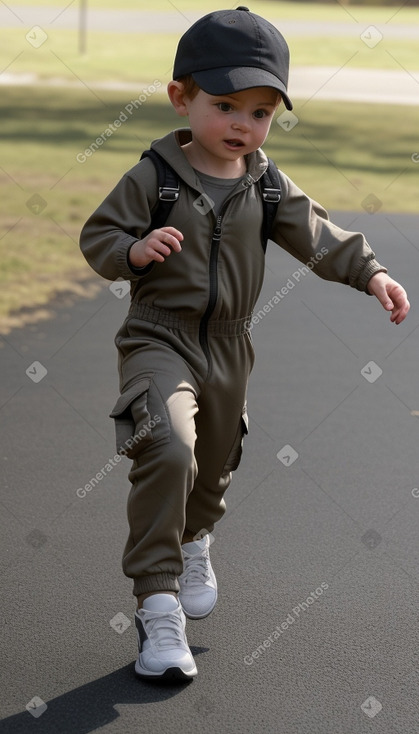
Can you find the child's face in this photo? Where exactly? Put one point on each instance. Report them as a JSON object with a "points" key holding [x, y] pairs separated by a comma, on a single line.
{"points": [[227, 127]]}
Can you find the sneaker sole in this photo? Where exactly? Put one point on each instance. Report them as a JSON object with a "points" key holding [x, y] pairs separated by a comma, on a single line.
{"points": [[170, 675]]}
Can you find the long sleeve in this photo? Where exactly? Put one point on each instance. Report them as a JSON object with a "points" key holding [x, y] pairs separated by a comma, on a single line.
{"points": [[119, 221], [303, 229]]}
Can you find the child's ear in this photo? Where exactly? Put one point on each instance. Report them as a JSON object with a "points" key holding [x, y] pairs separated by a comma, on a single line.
{"points": [[175, 90]]}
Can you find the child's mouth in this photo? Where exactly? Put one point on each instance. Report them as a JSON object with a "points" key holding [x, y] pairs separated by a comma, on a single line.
{"points": [[234, 143]]}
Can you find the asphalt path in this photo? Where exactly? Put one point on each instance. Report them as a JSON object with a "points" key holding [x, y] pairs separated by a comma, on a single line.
{"points": [[178, 21], [305, 84], [316, 627]]}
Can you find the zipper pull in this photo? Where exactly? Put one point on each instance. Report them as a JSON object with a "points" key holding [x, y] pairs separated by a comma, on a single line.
{"points": [[217, 231]]}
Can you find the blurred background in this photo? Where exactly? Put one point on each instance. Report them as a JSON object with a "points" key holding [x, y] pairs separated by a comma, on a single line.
{"points": [[83, 93]]}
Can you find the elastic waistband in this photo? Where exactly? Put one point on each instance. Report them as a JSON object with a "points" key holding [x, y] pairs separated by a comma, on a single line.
{"points": [[172, 321]]}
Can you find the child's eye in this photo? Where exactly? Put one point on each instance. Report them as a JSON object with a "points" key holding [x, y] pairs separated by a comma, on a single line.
{"points": [[259, 114], [224, 106]]}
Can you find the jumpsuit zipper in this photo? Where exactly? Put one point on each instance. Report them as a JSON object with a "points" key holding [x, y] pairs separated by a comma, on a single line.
{"points": [[213, 277], [213, 290]]}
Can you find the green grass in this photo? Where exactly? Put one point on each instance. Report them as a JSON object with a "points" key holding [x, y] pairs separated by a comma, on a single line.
{"points": [[389, 54], [130, 57], [139, 58], [338, 153], [111, 57], [116, 57], [334, 11]]}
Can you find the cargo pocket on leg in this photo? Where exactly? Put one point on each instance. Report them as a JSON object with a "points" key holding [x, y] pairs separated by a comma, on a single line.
{"points": [[235, 454], [133, 423]]}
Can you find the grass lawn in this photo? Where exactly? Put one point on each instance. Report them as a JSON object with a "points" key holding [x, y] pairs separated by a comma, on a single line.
{"points": [[338, 153], [135, 58]]}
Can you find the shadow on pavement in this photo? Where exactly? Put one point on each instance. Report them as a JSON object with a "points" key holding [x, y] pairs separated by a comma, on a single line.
{"points": [[92, 706]]}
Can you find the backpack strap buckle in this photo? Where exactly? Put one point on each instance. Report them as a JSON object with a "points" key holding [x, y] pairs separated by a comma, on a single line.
{"points": [[271, 195], [168, 193]]}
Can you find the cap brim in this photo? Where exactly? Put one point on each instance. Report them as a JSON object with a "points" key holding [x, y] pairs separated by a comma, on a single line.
{"points": [[228, 80]]}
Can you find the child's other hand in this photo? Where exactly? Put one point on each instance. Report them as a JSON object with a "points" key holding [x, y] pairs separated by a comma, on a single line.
{"points": [[391, 295], [155, 246]]}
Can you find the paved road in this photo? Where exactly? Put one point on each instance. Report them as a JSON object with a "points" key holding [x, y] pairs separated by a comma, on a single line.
{"points": [[305, 83], [178, 21], [321, 548]]}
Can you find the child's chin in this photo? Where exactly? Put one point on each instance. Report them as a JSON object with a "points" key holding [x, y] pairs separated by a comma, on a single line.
{"points": [[234, 153]]}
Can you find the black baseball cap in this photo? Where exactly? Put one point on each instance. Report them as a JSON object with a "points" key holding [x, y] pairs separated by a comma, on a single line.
{"points": [[231, 50]]}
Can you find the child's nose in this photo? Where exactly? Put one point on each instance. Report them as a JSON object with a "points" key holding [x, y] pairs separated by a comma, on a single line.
{"points": [[241, 122]]}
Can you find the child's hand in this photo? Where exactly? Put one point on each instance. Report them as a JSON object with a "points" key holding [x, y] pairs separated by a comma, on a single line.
{"points": [[391, 295], [155, 246]]}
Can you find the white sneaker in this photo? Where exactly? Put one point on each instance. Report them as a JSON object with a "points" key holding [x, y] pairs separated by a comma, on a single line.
{"points": [[163, 649], [198, 585]]}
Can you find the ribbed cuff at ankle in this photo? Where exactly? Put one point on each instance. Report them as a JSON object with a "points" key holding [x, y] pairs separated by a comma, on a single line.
{"points": [[155, 583]]}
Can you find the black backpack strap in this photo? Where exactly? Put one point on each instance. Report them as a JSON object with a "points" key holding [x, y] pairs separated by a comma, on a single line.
{"points": [[168, 187], [271, 196]]}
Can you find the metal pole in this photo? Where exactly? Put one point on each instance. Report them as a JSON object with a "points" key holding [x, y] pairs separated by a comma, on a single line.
{"points": [[83, 27]]}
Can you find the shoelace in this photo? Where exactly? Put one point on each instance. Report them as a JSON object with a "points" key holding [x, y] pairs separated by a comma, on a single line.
{"points": [[195, 569], [156, 622]]}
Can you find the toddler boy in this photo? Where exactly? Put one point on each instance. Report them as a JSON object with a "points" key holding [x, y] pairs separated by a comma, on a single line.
{"points": [[185, 351]]}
